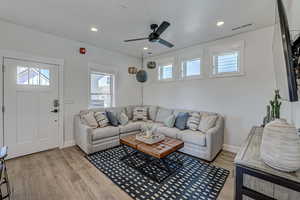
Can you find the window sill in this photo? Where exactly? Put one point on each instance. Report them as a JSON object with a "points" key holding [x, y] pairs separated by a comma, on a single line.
{"points": [[189, 78], [166, 80], [226, 75]]}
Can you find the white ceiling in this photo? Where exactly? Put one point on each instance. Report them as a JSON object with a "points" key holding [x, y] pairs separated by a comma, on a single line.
{"points": [[192, 21]]}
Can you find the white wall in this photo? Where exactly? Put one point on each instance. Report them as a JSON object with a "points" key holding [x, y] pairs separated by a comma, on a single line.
{"points": [[18, 38], [242, 100]]}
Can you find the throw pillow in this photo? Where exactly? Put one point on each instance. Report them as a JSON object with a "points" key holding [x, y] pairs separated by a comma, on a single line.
{"points": [[90, 120], [193, 121], [123, 119], [181, 120], [112, 117], [102, 119], [170, 121], [162, 114], [207, 122], [129, 112], [140, 113], [152, 112]]}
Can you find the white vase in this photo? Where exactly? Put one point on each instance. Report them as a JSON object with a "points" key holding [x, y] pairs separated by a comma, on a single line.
{"points": [[280, 148]]}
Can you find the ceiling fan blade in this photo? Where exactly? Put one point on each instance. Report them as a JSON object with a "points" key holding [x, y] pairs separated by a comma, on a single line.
{"points": [[166, 43], [164, 25], [132, 40]]}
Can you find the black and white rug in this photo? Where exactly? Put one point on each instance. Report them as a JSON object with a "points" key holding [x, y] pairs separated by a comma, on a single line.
{"points": [[195, 180]]}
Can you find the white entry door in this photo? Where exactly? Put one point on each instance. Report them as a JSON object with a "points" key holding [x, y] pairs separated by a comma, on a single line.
{"points": [[31, 107]]}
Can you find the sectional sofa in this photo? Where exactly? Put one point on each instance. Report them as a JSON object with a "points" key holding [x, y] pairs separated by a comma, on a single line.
{"points": [[196, 143]]}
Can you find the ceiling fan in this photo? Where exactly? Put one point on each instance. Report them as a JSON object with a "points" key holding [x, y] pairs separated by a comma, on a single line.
{"points": [[155, 35]]}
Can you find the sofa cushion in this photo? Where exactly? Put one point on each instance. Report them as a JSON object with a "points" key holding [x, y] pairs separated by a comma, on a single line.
{"points": [[162, 114], [123, 119], [130, 127], [170, 121], [113, 118], [207, 122], [181, 120], [152, 112], [90, 120], [105, 132], [102, 119], [140, 113], [170, 132], [194, 121], [193, 137], [129, 111]]}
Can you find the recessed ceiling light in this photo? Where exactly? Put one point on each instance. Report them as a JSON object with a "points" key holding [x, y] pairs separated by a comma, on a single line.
{"points": [[146, 48], [94, 29], [220, 23]]}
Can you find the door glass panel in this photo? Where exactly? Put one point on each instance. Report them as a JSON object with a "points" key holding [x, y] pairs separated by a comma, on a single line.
{"points": [[33, 76], [44, 77], [22, 75]]}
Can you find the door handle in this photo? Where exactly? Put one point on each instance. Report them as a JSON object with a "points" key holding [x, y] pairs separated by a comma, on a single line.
{"points": [[55, 110]]}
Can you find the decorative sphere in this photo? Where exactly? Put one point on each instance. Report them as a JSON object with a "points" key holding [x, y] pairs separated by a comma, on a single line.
{"points": [[151, 65], [141, 76]]}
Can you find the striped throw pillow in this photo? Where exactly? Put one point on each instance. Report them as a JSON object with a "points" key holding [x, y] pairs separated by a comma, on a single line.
{"points": [[102, 119], [194, 121], [140, 113]]}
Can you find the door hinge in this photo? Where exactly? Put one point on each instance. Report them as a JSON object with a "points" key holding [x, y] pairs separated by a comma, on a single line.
{"points": [[3, 108]]}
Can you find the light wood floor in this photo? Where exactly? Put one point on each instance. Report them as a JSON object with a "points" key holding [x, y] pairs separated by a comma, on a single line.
{"points": [[65, 174]]}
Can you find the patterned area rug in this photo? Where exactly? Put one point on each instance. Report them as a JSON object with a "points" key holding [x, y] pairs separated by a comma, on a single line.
{"points": [[195, 180]]}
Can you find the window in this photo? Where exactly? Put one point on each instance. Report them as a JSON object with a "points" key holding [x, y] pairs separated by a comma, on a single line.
{"points": [[33, 76], [101, 89], [191, 68], [226, 63], [165, 72], [227, 60]]}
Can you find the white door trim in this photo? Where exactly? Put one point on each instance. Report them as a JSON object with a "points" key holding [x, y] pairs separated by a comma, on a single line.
{"points": [[23, 56]]}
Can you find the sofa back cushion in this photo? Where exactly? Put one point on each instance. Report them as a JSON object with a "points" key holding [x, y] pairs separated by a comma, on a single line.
{"points": [[162, 114], [140, 113], [207, 122], [101, 119], [152, 112], [129, 111], [89, 119], [181, 120]]}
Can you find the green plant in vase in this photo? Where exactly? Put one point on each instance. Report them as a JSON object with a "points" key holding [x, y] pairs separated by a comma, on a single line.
{"points": [[275, 104]]}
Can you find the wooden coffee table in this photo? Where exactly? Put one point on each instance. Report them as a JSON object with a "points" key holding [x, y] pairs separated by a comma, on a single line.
{"points": [[155, 153]]}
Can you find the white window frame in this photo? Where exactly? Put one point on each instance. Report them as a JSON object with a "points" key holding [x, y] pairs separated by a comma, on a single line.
{"points": [[95, 69], [223, 49], [165, 62], [182, 61]]}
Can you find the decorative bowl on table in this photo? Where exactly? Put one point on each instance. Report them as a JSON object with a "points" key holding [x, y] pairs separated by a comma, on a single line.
{"points": [[149, 139], [280, 148]]}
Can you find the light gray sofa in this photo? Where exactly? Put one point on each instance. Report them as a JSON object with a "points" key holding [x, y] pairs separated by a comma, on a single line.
{"points": [[202, 145]]}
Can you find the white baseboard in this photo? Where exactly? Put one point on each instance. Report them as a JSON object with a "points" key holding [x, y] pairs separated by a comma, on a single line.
{"points": [[68, 144], [231, 148]]}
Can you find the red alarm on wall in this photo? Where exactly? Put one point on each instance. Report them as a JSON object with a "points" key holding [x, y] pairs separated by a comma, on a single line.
{"points": [[82, 50]]}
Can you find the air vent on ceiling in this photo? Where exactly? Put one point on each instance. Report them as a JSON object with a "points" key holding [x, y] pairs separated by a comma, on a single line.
{"points": [[241, 27]]}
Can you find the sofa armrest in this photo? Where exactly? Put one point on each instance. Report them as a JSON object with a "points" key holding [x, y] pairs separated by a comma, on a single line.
{"points": [[215, 138], [82, 134]]}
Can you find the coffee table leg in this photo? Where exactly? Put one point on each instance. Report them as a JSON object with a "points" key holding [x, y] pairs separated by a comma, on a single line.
{"points": [[129, 156]]}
